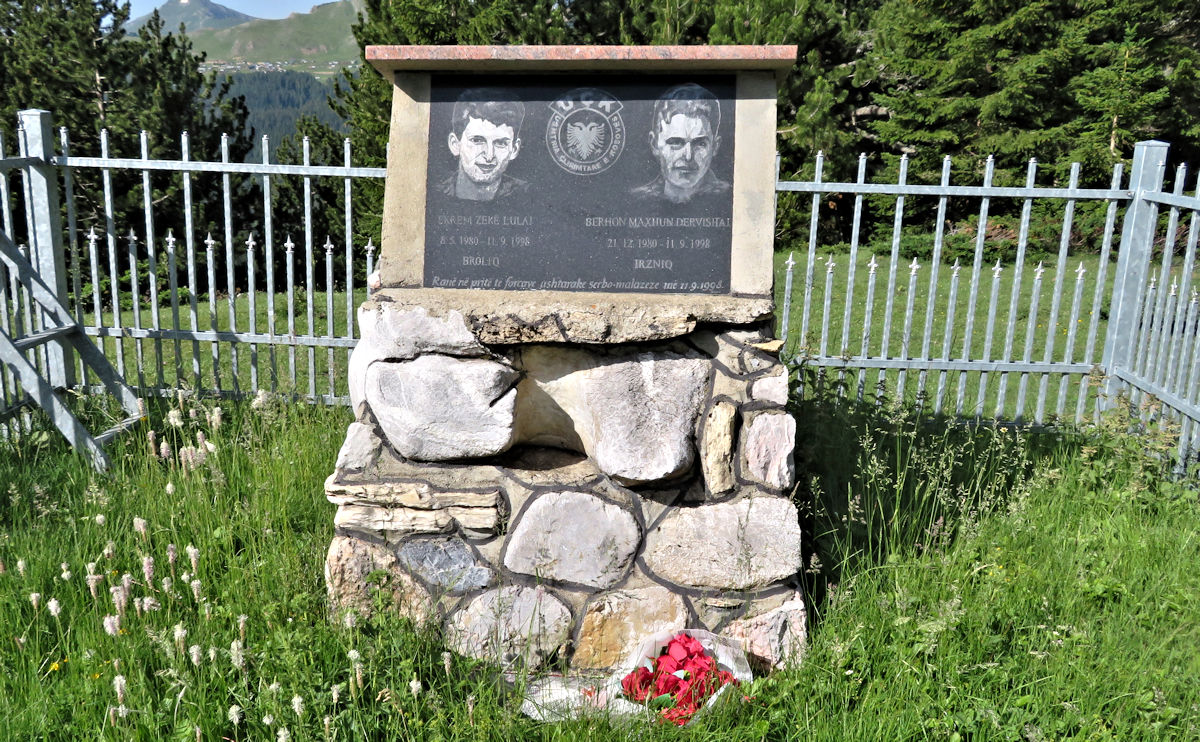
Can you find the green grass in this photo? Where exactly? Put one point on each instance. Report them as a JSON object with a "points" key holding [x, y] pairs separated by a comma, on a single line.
{"points": [[964, 584]]}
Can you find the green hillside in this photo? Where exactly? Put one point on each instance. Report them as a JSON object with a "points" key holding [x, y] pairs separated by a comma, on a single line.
{"points": [[195, 15], [321, 36]]}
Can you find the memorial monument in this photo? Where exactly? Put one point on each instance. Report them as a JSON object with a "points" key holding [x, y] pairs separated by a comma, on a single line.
{"points": [[570, 414]]}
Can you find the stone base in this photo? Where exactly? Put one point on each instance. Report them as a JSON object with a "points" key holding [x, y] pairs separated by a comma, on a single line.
{"points": [[554, 502]]}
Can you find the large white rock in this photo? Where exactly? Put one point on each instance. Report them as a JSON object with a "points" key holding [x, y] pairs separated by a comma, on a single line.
{"points": [[716, 447], [511, 626], [768, 443], [634, 414], [737, 545], [775, 638], [437, 408], [348, 565], [573, 537], [403, 333]]}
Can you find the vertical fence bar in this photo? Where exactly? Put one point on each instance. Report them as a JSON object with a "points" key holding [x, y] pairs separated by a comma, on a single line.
{"points": [[349, 250], [308, 274], [110, 232], [152, 255], [1072, 327], [7, 378], [1030, 331], [173, 288], [1060, 271], [189, 241], [1133, 262], [289, 251], [252, 320], [829, 265], [1110, 221], [868, 317], [973, 293], [855, 230], [1015, 294], [908, 322], [72, 238], [45, 235], [948, 336], [894, 260], [785, 320], [230, 285], [215, 347], [1150, 372], [370, 264], [136, 295], [1156, 371], [1185, 289], [812, 252], [988, 336], [269, 264], [329, 313], [1145, 329], [94, 264], [934, 264]]}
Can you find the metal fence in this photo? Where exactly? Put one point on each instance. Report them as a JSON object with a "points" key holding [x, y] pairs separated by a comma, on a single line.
{"points": [[1008, 340], [1023, 326]]}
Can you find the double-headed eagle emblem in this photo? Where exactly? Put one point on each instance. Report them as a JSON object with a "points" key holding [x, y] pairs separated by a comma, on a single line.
{"points": [[585, 138]]}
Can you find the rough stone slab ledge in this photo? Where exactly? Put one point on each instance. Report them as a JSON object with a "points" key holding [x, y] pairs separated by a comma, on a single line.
{"points": [[414, 58]]}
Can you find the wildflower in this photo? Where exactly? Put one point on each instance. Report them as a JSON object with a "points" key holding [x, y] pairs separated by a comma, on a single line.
{"points": [[268, 720], [175, 419], [471, 709], [353, 656], [298, 705], [54, 607], [414, 686], [148, 569], [212, 654], [21, 642], [93, 581], [283, 735], [261, 399], [207, 611], [235, 714], [194, 555], [172, 554], [164, 450], [36, 599], [170, 488], [335, 692], [447, 661], [241, 619], [350, 619], [112, 625], [274, 687], [215, 420], [152, 440], [192, 413], [120, 598], [210, 447], [122, 711], [167, 584], [100, 519], [119, 687], [66, 572], [194, 652], [236, 656], [328, 721], [110, 550], [196, 590], [139, 525], [21, 567], [180, 635]]}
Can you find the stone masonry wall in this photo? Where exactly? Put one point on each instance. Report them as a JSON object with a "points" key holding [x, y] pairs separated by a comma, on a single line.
{"points": [[543, 498]]}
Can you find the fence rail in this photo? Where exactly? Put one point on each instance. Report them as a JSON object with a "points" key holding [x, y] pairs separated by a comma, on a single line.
{"points": [[1032, 330]]}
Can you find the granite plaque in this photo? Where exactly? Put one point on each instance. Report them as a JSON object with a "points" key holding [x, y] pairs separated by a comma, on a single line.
{"points": [[580, 183]]}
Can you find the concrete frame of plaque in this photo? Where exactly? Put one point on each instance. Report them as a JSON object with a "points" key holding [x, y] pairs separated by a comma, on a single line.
{"points": [[570, 414]]}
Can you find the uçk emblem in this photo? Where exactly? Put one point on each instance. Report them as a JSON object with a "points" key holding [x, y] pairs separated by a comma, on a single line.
{"points": [[585, 134]]}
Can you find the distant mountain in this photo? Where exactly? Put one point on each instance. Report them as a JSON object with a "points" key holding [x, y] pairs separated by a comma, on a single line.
{"points": [[195, 15], [320, 36]]}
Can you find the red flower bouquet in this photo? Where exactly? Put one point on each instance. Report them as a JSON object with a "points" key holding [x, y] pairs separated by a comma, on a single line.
{"points": [[679, 681]]}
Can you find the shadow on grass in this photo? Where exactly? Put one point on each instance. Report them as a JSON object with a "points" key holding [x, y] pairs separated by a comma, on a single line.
{"points": [[878, 479]]}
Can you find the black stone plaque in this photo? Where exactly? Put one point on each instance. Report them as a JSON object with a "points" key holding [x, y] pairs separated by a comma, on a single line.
{"points": [[580, 183]]}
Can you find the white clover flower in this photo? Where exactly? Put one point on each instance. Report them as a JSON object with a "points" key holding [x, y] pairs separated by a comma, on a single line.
{"points": [[36, 600], [54, 607], [235, 714], [119, 687], [175, 418], [139, 525], [196, 655]]}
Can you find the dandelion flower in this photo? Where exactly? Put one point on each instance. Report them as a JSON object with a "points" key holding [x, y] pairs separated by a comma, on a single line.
{"points": [[235, 714], [119, 687], [139, 525], [196, 655], [36, 599], [298, 705], [54, 607]]}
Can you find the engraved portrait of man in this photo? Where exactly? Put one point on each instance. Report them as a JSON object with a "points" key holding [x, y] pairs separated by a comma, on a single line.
{"points": [[485, 136], [684, 139]]}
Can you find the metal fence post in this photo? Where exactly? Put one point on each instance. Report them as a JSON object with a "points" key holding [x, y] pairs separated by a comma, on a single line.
{"points": [[1133, 263], [46, 237]]}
